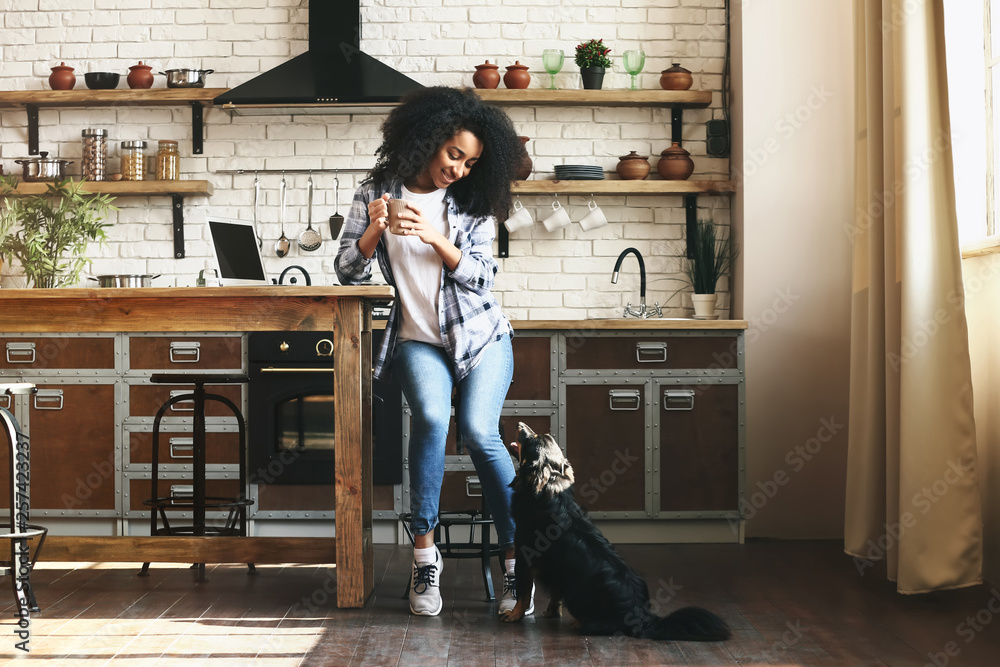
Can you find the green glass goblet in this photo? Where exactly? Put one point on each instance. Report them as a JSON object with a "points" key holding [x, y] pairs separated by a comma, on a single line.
{"points": [[552, 60], [633, 60]]}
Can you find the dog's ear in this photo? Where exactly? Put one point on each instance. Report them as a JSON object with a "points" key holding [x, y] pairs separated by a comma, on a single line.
{"points": [[542, 479]]}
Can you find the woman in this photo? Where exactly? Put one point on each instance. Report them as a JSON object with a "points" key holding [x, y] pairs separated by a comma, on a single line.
{"points": [[451, 158]]}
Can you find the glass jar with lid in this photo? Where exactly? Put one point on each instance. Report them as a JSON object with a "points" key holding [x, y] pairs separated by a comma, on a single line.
{"points": [[133, 160], [167, 160], [95, 154]]}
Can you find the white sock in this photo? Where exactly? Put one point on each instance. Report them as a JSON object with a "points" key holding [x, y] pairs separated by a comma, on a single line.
{"points": [[425, 556], [509, 564]]}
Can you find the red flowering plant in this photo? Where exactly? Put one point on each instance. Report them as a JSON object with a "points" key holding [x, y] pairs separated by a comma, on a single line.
{"points": [[593, 54]]}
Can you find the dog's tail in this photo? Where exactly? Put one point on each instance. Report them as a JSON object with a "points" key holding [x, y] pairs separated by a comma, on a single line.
{"points": [[692, 624]]}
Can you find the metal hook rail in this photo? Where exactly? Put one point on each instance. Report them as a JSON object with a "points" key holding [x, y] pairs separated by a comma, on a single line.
{"points": [[291, 171]]}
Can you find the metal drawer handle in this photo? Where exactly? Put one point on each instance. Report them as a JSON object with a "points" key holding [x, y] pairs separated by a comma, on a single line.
{"points": [[651, 352], [181, 491], [624, 399], [176, 406], [678, 399], [472, 482], [52, 399], [185, 351], [5, 398], [20, 353], [178, 445]]}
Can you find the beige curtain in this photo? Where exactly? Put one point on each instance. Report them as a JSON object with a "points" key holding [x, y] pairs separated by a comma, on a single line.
{"points": [[912, 491]]}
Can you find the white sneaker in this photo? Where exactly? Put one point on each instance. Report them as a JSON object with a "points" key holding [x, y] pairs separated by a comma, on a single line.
{"points": [[509, 597], [425, 591]]}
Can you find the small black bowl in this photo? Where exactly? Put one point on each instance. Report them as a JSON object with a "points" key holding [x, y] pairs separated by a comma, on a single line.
{"points": [[101, 80]]}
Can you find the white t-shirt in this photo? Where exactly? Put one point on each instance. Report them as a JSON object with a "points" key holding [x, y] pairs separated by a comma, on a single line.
{"points": [[416, 269]]}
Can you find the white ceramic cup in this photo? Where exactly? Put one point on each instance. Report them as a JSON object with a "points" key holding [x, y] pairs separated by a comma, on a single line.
{"points": [[558, 219], [520, 219], [594, 219]]}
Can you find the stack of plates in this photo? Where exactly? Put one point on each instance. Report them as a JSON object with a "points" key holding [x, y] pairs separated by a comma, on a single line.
{"points": [[578, 172]]}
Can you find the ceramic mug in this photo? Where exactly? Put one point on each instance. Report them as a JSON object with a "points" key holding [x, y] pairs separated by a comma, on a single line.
{"points": [[394, 207], [558, 219], [520, 219], [594, 219]]}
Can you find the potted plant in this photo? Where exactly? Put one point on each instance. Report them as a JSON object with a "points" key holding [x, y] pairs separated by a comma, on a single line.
{"points": [[592, 58], [713, 258], [48, 233]]}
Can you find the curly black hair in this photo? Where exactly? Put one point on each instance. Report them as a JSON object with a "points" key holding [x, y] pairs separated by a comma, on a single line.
{"points": [[416, 129]]}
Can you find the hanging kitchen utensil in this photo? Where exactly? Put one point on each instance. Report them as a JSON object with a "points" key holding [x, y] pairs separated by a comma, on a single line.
{"points": [[281, 245], [336, 220], [256, 197], [310, 239]]}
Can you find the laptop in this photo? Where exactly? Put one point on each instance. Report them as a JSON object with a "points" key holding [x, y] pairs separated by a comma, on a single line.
{"points": [[237, 254]]}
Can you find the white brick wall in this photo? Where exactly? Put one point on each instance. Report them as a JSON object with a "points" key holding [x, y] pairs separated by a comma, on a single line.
{"points": [[564, 274]]}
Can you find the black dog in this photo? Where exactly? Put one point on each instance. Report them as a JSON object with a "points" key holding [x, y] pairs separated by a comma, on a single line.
{"points": [[557, 543]]}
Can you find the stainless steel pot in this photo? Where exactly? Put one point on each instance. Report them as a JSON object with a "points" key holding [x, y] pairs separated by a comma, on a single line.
{"points": [[186, 78], [125, 280], [43, 168]]}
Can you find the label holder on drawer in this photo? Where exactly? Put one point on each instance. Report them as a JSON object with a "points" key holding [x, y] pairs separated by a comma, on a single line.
{"points": [[185, 351], [20, 353], [181, 445], [678, 399], [176, 406], [182, 491], [624, 399], [651, 352], [49, 399]]}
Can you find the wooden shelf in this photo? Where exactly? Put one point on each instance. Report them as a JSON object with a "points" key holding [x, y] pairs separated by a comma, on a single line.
{"points": [[682, 99], [130, 188], [14, 99], [617, 187]]}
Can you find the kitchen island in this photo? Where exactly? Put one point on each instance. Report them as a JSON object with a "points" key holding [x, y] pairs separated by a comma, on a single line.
{"points": [[346, 311]]}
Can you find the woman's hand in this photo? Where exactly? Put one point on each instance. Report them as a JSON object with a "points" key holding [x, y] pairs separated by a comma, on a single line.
{"points": [[413, 223], [378, 212]]}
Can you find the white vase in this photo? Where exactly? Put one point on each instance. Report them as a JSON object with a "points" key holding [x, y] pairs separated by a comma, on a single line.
{"points": [[704, 305]]}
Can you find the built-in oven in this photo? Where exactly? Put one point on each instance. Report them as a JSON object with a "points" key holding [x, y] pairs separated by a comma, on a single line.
{"points": [[291, 426]]}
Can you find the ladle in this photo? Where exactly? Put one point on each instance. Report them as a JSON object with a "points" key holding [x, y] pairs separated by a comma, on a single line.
{"points": [[336, 220], [281, 245], [310, 239], [256, 197]]}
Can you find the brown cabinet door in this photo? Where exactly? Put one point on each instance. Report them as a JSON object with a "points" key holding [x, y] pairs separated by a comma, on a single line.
{"points": [[72, 447], [699, 447], [178, 448], [650, 353], [532, 379], [145, 399], [40, 354], [142, 489], [179, 353], [605, 444]]}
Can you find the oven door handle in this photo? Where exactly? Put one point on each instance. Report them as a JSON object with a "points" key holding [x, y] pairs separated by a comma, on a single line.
{"points": [[271, 369]]}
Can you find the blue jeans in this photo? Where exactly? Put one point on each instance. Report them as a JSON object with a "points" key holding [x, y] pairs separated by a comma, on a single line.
{"points": [[426, 377]]}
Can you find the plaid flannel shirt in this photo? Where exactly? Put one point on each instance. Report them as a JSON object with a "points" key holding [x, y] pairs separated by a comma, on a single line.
{"points": [[469, 317]]}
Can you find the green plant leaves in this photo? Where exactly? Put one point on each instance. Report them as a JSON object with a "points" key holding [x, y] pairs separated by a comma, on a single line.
{"points": [[713, 257]]}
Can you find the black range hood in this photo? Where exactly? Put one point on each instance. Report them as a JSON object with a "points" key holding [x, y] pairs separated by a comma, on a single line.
{"points": [[333, 75]]}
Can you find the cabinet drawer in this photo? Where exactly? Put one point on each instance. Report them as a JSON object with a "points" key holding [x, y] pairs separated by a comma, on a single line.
{"points": [[532, 369], [39, 354], [650, 353], [141, 489], [178, 448], [145, 399], [313, 498], [178, 353]]}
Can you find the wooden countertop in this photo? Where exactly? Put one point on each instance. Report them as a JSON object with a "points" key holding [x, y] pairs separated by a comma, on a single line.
{"points": [[627, 324]]}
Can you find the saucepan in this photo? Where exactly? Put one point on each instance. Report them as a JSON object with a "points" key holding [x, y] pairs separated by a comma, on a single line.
{"points": [[186, 78], [125, 280], [43, 168]]}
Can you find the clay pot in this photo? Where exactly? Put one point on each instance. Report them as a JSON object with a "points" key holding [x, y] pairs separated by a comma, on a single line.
{"points": [[517, 76], [140, 76], [486, 76], [675, 163], [524, 170], [676, 78], [633, 167], [62, 77]]}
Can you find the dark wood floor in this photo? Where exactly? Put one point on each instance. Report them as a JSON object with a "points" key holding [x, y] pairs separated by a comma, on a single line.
{"points": [[789, 603]]}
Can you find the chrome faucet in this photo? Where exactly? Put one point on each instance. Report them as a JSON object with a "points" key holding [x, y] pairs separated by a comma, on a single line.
{"points": [[291, 281], [629, 311]]}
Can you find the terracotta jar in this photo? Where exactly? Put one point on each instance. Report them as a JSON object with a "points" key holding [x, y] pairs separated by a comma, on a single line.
{"points": [[140, 76], [524, 170], [517, 76], [633, 167], [675, 163], [676, 78], [486, 76], [62, 77]]}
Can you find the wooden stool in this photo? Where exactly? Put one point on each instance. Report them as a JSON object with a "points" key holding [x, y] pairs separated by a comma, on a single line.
{"points": [[198, 502], [21, 563]]}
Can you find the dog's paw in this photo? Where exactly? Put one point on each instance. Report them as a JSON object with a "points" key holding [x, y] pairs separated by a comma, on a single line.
{"points": [[553, 609], [514, 615]]}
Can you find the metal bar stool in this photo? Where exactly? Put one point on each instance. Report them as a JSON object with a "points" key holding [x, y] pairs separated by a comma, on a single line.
{"points": [[21, 531], [198, 502]]}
